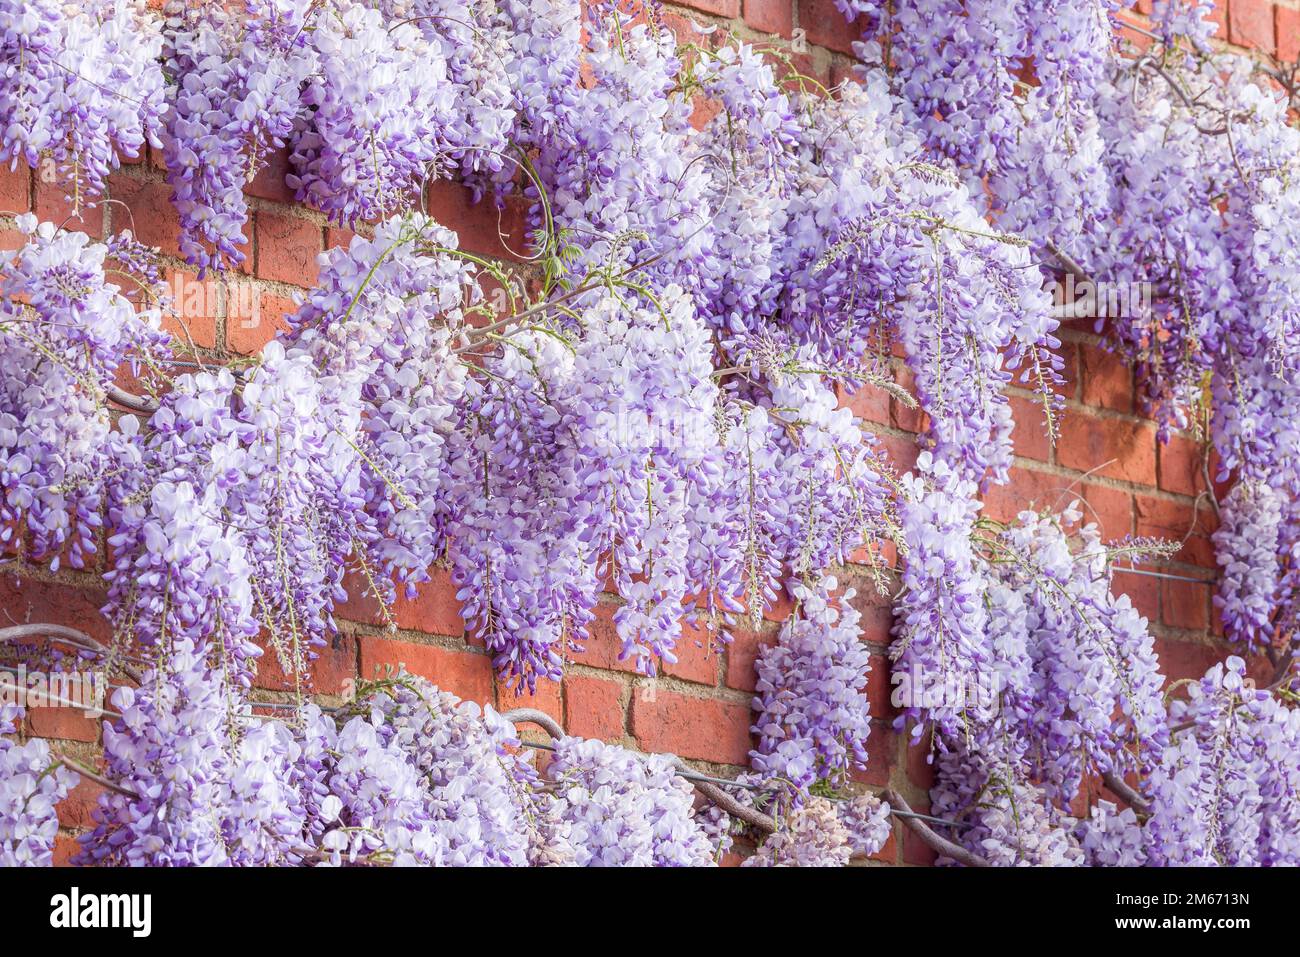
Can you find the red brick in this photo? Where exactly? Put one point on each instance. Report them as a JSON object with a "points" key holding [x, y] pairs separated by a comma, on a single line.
{"points": [[65, 724], [697, 660], [868, 402], [888, 853], [463, 673], [287, 248], [1178, 466], [15, 190], [878, 688], [481, 227], [248, 334], [1107, 379], [741, 655], [65, 848], [593, 708], [1185, 659], [435, 609], [1185, 604], [770, 16], [882, 755], [1111, 448], [702, 728], [147, 211], [27, 601], [915, 850], [269, 182], [1176, 521], [1142, 590], [919, 767], [336, 236], [545, 696], [1029, 438], [900, 452], [1250, 24], [332, 672], [602, 647], [1219, 17], [1287, 24], [52, 206], [192, 318], [75, 809], [826, 26], [1026, 489], [721, 8], [907, 418], [1111, 508]]}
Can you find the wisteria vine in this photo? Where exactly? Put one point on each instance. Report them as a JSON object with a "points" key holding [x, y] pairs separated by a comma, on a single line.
{"points": [[658, 412]]}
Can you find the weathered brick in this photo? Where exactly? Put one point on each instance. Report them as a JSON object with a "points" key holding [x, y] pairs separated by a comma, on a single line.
{"points": [[706, 729], [602, 647], [332, 672], [1185, 604], [1287, 26], [287, 247], [826, 26], [1029, 438], [868, 402], [15, 190], [721, 8], [697, 660], [481, 227], [741, 655], [1111, 508], [770, 16], [248, 334], [193, 316], [1107, 379], [64, 724], [593, 707], [1177, 521], [52, 206], [435, 609], [464, 673], [1250, 24], [1111, 448], [147, 211], [1178, 466]]}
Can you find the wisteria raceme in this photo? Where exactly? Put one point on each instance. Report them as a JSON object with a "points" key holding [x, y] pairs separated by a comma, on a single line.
{"points": [[813, 714], [379, 328], [65, 332], [236, 98], [479, 61], [374, 136], [82, 88], [518, 506], [31, 784], [170, 751], [625, 809]]}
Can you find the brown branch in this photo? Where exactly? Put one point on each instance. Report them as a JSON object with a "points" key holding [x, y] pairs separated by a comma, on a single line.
{"points": [[1121, 788], [940, 845]]}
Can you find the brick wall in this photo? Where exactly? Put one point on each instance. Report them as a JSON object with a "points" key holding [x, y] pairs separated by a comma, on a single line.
{"points": [[699, 708]]}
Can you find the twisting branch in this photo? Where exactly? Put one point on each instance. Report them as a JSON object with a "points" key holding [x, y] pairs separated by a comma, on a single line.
{"points": [[940, 845], [537, 717], [69, 636], [135, 403], [1121, 789]]}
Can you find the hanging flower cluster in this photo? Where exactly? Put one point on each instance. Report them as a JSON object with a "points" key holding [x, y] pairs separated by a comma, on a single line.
{"points": [[82, 89], [661, 414], [31, 785]]}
